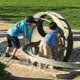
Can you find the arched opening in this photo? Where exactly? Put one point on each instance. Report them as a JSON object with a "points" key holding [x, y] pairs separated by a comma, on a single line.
{"points": [[65, 43]]}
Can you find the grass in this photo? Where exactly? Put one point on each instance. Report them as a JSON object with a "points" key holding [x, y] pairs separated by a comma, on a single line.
{"points": [[15, 10]]}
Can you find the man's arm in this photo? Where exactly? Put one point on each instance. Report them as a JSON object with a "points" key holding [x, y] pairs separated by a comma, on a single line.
{"points": [[27, 37]]}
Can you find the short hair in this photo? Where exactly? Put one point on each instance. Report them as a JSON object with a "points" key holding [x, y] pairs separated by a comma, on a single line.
{"points": [[52, 25], [30, 19]]}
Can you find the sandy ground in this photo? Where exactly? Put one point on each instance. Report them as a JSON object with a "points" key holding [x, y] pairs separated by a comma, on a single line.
{"points": [[4, 25], [24, 71], [31, 71]]}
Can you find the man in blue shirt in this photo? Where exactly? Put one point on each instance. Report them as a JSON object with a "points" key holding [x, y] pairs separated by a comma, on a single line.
{"points": [[49, 41], [26, 27]]}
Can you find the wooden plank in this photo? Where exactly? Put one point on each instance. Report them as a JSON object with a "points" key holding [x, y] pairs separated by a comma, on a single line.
{"points": [[51, 62]]}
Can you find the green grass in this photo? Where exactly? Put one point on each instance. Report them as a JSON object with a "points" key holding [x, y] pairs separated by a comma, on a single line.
{"points": [[15, 10]]}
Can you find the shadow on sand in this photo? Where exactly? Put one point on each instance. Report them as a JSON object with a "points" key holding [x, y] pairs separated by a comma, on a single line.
{"points": [[21, 78]]}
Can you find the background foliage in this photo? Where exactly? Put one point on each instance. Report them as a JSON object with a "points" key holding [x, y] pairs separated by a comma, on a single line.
{"points": [[15, 10]]}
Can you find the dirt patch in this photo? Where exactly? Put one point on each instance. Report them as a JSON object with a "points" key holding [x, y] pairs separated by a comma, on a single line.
{"points": [[4, 25]]}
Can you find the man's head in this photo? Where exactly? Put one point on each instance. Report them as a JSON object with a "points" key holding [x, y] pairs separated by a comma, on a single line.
{"points": [[52, 25], [31, 21]]}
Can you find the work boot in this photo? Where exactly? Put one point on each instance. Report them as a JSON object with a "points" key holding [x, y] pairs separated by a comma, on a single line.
{"points": [[7, 55], [14, 57], [34, 63]]}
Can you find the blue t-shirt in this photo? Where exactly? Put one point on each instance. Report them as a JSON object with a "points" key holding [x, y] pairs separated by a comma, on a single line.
{"points": [[20, 27], [51, 38]]}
